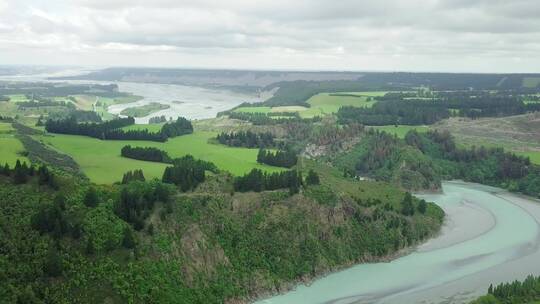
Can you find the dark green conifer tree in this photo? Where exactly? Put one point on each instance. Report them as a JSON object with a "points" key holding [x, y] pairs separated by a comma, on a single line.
{"points": [[91, 198], [407, 207], [128, 240]]}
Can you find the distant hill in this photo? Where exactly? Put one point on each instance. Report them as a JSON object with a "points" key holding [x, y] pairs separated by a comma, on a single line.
{"points": [[296, 87], [218, 78], [266, 78]]}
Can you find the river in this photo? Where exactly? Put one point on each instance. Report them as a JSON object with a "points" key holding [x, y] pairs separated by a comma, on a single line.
{"points": [[191, 102], [489, 236], [187, 101]]}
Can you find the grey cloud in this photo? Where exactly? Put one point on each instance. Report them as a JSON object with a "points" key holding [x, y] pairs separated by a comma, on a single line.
{"points": [[335, 32]]}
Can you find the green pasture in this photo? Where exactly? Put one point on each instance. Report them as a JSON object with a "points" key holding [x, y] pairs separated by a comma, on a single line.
{"points": [[328, 103], [253, 109], [17, 98], [101, 161], [531, 82], [154, 128], [534, 156], [322, 104], [10, 146]]}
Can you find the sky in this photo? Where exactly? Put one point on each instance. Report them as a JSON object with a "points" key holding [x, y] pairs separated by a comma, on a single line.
{"points": [[354, 35]]}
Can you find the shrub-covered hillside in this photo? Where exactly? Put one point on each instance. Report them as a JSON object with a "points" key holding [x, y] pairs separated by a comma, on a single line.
{"points": [[148, 242]]}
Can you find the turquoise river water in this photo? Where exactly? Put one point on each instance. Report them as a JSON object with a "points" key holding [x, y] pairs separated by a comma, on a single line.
{"points": [[489, 236]]}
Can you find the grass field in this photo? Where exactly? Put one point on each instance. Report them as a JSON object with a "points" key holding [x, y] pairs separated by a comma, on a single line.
{"points": [[322, 104], [265, 110], [401, 130], [10, 147], [102, 163], [534, 156], [282, 109], [17, 98], [531, 82], [154, 128], [253, 109], [328, 103]]}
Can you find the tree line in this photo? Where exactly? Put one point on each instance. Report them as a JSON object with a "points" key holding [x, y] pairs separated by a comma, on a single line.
{"points": [[145, 153], [157, 119], [400, 108], [257, 180], [135, 175], [527, 291], [21, 173], [112, 129], [137, 200], [187, 172], [390, 112], [246, 139], [97, 130], [280, 158], [261, 119]]}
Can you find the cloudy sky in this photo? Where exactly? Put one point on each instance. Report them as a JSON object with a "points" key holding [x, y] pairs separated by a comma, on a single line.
{"points": [[389, 35]]}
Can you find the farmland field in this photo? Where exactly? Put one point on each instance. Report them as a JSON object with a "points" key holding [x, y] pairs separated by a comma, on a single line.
{"points": [[17, 98], [322, 104], [102, 163], [10, 147], [531, 82], [253, 109], [401, 130]]}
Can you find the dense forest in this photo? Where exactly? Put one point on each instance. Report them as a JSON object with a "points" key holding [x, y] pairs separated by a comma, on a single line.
{"points": [[246, 139], [422, 160]]}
